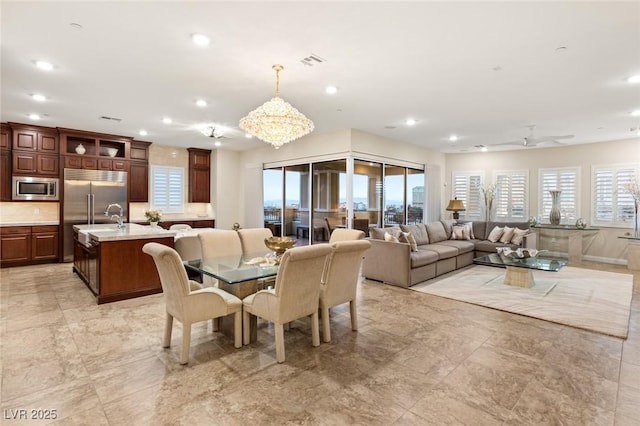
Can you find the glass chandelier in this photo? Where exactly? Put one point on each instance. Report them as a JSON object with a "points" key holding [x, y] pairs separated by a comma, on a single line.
{"points": [[276, 121]]}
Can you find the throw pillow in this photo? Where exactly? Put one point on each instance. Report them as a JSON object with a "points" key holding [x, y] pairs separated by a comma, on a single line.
{"points": [[495, 234], [470, 226], [391, 238], [406, 237], [507, 234], [460, 232], [518, 236]]}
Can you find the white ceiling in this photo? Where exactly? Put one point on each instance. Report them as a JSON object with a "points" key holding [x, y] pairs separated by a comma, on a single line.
{"points": [[433, 61]]}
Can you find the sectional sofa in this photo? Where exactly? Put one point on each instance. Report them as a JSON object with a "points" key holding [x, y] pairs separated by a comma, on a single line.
{"points": [[439, 248]]}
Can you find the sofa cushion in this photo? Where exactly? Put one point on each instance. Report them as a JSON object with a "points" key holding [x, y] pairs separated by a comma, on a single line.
{"points": [[423, 257], [518, 235], [507, 234], [495, 234], [391, 238], [436, 232], [406, 237], [448, 225], [479, 230], [462, 246], [444, 251], [378, 233], [418, 231]]}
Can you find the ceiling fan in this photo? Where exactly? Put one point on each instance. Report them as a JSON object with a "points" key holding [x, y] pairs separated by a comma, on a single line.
{"points": [[532, 140], [212, 131]]}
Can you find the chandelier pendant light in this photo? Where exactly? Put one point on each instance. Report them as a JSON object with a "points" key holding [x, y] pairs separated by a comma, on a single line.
{"points": [[276, 121]]}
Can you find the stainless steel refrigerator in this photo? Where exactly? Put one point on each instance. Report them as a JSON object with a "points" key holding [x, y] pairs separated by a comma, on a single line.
{"points": [[87, 193]]}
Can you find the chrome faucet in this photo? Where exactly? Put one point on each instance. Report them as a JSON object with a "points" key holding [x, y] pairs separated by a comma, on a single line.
{"points": [[119, 217]]}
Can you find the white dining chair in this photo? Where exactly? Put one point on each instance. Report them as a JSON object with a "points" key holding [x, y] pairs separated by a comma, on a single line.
{"points": [[340, 281], [218, 243], [252, 240], [295, 295], [187, 301], [343, 234]]}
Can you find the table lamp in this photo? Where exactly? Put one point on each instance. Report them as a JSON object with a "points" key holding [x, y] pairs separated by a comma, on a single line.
{"points": [[455, 206]]}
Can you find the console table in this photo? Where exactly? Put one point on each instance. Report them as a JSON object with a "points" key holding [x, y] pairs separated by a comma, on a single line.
{"points": [[574, 237], [633, 253]]}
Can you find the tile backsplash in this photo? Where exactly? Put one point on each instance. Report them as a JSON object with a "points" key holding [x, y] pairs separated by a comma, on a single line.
{"points": [[29, 212], [191, 211]]}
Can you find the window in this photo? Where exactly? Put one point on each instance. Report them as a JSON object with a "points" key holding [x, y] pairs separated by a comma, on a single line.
{"points": [[612, 204], [167, 189], [466, 186], [511, 196], [566, 180]]}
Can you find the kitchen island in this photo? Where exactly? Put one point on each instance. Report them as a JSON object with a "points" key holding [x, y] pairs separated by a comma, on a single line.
{"points": [[111, 262]]}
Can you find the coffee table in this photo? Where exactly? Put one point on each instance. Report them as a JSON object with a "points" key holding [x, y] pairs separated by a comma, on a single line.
{"points": [[519, 271]]}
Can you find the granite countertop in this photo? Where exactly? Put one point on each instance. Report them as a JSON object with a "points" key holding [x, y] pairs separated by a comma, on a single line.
{"points": [[132, 231]]}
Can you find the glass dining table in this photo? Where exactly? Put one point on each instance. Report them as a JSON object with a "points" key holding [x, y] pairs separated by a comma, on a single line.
{"points": [[240, 275]]}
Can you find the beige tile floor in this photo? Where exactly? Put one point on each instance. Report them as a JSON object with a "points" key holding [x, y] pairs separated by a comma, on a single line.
{"points": [[417, 359]]}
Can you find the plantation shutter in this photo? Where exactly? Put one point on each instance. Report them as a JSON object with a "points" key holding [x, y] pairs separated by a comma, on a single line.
{"points": [[466, 186], [511, 198], [167, 189], [565, 180], [612, 203]]}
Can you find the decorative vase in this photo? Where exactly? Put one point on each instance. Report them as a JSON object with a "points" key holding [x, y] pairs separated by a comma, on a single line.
{"points": [[153, 224], [554, 215], [80, 149]]}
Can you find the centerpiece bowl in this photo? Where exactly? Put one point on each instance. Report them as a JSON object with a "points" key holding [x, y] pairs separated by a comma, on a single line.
{"points": [[279, 245]]}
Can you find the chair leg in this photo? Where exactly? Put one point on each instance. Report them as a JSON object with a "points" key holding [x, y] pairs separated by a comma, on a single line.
{"points": [[354, 315], [326, 329], [186, 342], [279, 329], [246, 325], [168, 327], [237, 329], [215, 323], [315, 329]]}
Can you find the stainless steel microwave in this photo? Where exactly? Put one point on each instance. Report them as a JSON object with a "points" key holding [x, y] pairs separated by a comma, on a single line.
{"points": [[35, 188]]}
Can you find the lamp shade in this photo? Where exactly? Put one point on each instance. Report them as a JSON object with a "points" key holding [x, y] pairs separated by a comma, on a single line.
{"points": [[455, 205]]}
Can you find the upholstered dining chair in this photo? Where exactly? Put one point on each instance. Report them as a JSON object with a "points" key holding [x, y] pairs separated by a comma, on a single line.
{"points": [[343, 234], [340, 281], [252, 240], [216, 243], [188, 301], [188, 247], [295, 295], [179, 227]]}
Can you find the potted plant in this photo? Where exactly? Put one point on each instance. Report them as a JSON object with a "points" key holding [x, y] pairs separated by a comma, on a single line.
{"points": [[153, 216]]}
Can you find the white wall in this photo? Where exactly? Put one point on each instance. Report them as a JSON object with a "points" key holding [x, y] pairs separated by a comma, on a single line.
{"points": [[225, 187], [603, 245]]}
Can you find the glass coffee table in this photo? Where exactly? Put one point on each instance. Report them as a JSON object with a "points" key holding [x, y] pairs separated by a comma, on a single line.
{"points": [[519, 271]]}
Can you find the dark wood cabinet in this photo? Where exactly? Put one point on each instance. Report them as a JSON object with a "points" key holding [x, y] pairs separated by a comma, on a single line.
{"points": [[139, 172], [206, 223], [26, 245], [199, 175], [5, 162], [5, 136], [95, 151], [35, 151]]}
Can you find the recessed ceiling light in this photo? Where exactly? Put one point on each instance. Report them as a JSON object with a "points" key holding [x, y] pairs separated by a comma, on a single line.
{"points": [[34, 116], [248, 135], [636, 113], [410, 122], [484, 149], [201, 103], [38, 97], [634, 79], [200, 39], [331, 90], [453, 138], [143, 133], [167, 120], [217, 143], [44, 65]]}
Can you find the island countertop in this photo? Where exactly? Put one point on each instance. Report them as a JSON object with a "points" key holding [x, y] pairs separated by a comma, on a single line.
{"points": [[109, 232]]}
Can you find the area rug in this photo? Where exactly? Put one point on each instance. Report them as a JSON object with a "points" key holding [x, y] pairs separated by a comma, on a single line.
{"points": [[589, 299]]}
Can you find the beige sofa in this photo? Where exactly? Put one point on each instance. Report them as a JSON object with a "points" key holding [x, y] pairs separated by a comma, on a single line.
{"points": [[394, 262]]}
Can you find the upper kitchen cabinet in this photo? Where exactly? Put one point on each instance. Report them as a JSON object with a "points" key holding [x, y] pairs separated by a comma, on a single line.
{"points": [[139, 172], [199, 175], [96, 151], [34, 150], [5, 163]]}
